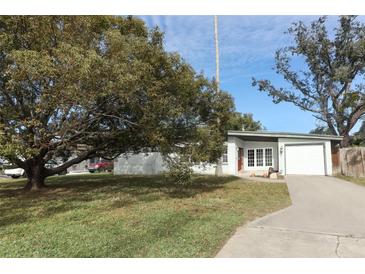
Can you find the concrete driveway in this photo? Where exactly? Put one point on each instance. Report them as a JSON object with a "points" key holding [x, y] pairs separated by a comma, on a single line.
{"points": [[326, 219]]}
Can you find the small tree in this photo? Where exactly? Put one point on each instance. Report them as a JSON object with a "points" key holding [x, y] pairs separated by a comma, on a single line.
{"points": [[100, 83], [330, 85]]}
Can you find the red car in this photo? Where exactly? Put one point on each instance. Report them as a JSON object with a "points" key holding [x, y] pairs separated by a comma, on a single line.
{"points": [[99, 165]]}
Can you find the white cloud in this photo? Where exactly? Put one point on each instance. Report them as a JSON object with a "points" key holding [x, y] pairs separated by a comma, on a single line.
{"points": [[244, 40]]}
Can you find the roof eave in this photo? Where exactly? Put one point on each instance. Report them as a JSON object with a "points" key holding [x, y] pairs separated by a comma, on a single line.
{"points": [[284, 135]]}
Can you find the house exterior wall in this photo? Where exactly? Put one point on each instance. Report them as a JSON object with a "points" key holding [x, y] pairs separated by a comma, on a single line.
{"points": [[142, 163], [246, 145], [79, 168], [227, 168], [253, 145], [152, 163], [282, 142]]}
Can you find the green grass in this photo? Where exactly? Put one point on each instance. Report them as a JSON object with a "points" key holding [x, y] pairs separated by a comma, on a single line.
{"points": [[359, 181], [103, 215]]}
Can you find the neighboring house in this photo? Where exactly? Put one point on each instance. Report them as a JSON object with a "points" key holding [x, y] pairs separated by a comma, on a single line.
{"points": [[81, 167], [84, 166], [253, 152], [141, 163]]}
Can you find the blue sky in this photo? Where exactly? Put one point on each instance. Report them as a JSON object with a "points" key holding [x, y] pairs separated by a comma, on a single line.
{"points": [[247, 47]]}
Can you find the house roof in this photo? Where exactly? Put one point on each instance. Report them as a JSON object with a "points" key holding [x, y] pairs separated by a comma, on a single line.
{"points": [[273, 134]]}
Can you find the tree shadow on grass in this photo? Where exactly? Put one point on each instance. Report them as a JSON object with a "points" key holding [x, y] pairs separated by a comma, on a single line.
{"points": [[64, 193]]}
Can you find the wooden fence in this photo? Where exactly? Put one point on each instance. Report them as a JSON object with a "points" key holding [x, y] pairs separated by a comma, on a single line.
{"points": [[351, 162]]}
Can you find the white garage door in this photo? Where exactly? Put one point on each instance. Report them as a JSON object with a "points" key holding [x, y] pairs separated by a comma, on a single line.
{"points": [[304, 159]]}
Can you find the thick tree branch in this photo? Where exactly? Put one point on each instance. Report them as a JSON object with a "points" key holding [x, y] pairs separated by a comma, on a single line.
{"points": [[76, 160]]}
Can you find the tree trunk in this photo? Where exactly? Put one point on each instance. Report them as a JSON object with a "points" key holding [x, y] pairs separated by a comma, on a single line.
{"points": [[35, 184], [346, 140], [36, 174], [219, 168]]}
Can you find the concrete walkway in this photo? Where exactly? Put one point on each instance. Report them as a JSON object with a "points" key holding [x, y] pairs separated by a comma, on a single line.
{"points": [[326, 219]]}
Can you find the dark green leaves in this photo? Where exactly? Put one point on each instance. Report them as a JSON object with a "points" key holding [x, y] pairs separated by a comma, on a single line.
{"points": [[105, 83], [329, 81]]}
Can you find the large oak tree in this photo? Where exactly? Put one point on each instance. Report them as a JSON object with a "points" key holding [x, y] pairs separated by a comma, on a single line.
{"points": [[325, 73], [82, 86]]}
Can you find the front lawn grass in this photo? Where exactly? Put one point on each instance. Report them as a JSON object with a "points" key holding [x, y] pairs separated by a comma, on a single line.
{"points": [[359, 181], [102, 215]]}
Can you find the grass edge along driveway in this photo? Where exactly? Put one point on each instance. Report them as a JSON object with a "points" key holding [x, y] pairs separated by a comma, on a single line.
{"points": [[130, 216], [358, 181]]}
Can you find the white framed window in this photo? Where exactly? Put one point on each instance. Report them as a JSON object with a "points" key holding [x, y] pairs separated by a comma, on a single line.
{"points": [[260, 157], [251, 157], [268, 156], [225, 155]]}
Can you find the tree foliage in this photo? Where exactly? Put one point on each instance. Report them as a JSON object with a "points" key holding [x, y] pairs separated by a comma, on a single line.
{"points": [[82, 86], [244, 121], [330, 82], [359, 137], [321, 130]]}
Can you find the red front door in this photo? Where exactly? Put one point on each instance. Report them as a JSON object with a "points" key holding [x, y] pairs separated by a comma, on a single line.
{"points": [[240, 158]]}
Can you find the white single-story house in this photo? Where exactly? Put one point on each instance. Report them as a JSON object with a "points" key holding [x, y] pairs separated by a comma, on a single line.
{"points": [[253, 152]]}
